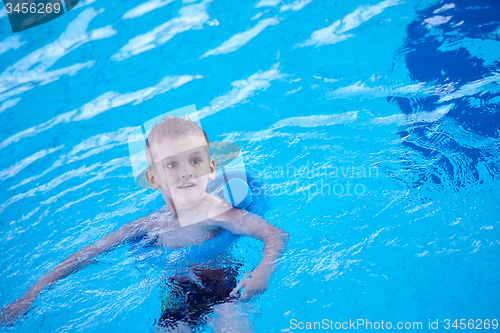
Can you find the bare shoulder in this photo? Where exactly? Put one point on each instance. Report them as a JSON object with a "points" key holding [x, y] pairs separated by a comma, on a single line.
{"points": [[222, 212], [230, 219], [148, 222]]}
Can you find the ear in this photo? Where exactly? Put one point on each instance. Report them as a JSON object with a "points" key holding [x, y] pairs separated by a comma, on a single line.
{"points": [[151, 178], [211, 175]]}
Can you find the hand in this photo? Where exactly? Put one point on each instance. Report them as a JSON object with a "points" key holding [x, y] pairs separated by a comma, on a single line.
{"points": [[11, 312], [253, 284]]}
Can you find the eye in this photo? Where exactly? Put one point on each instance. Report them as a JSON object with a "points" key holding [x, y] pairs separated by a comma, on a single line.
{"points": [[171, 165], [196, 161]]}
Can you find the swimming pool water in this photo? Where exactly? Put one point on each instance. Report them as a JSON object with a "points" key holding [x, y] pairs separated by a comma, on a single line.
{"points": [[375, 125]]}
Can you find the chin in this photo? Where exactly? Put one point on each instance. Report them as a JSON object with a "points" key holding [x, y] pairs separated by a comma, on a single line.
{"points": [[185, 200]]}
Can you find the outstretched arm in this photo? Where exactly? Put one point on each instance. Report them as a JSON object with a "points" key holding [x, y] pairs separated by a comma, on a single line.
{"points": [[275, 239], [72, 263]]}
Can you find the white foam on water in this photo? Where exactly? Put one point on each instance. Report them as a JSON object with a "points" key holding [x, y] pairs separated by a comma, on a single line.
{"points": [[33, 69], [8, 104], [295, 6], [144, 8], [190, 17], [10, 43], [336, 32], [242, 89], [436, 21], [102, 103], [240, 39]]}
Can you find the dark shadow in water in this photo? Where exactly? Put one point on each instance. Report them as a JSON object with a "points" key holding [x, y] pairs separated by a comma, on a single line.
{"points": [[476, 114]]}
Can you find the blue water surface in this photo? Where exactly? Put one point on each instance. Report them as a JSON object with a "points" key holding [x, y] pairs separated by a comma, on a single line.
{"points": [[375, 125]]}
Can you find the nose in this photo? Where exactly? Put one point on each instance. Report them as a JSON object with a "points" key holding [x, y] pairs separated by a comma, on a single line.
{"points": [[185, 171]]}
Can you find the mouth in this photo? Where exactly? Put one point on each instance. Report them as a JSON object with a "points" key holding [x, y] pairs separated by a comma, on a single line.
{"points": [[186, 185]]}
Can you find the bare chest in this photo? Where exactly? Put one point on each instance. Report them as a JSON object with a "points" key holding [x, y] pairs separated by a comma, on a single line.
{"points": [[179, 237]]}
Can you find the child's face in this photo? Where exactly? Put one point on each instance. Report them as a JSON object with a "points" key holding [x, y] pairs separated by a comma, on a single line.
{"points": [[182, 168]]}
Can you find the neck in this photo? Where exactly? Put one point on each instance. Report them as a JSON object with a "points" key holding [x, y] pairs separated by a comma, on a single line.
{"points": [[170, 204], [185, 210]]}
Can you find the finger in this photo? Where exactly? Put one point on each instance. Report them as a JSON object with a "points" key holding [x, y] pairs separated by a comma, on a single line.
{"points": [[247, 295], [238, 287], [244, 295]]}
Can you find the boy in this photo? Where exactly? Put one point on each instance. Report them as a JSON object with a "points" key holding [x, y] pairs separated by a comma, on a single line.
{"points": [[180, 166]]}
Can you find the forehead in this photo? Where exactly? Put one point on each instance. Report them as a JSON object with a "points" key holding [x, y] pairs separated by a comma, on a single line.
{"points": [[179, 147]]}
